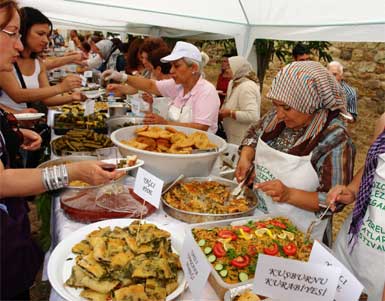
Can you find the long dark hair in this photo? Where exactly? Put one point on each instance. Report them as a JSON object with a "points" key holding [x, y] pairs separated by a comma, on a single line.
{"points": [[30, 16], [10, 7]]}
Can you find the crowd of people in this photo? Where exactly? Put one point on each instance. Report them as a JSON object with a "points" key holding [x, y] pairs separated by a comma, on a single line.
{"points": [[301, 149]]}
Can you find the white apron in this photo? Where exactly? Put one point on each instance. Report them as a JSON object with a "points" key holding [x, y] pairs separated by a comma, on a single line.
{"points": [[295, 172], [367, 261], [183, 114]]}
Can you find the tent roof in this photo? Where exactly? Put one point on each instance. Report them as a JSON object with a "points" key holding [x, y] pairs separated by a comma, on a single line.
{"points": [[245, 20]]}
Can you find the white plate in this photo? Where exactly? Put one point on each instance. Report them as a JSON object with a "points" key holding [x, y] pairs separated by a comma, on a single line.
{"points": [[29, 116], [113, 161], [60, 266], [92, 93]]}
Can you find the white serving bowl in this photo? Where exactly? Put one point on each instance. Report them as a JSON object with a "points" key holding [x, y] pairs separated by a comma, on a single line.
{"points": [[169, 166]]}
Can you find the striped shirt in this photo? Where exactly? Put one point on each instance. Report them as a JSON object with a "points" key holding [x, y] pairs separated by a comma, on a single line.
{"points": [[351, 99], [332, 158]]}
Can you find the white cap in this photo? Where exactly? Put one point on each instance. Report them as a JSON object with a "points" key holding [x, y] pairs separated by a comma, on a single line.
{"points": [[181, 50]]}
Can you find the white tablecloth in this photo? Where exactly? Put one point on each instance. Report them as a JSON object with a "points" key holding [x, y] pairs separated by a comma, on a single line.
{"points": [[62, 227]]}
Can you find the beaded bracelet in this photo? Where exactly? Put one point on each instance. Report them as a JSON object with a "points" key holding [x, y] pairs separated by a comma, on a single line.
{"points": [[55, 177]]}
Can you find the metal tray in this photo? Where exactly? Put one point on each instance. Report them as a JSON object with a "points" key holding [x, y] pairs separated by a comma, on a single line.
{"points": [[196, 217]]}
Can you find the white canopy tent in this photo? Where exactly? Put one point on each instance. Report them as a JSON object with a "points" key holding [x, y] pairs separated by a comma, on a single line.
{"points": [[244, 20]]}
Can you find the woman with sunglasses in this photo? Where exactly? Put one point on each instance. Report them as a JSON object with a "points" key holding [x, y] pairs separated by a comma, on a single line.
{"points": [[28, 82], [20, 256]]}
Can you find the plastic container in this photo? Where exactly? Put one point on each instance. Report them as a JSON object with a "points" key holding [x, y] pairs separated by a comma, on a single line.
{"points": [[111, 98]]}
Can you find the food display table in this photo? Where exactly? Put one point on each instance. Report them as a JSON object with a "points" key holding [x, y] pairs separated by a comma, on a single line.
{"points": [[61, 227]]}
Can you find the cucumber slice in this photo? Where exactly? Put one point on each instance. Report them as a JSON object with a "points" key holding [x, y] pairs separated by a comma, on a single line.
{"points": [[207, 250], [223, 273], [243, 276], [211, 258], [201, 243], [218, 267]]}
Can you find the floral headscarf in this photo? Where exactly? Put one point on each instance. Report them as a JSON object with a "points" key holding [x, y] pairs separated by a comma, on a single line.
{"points": [[309, 88]]}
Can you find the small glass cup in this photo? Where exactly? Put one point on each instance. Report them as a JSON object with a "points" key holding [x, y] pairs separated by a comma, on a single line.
{"points": [[110, 156]]}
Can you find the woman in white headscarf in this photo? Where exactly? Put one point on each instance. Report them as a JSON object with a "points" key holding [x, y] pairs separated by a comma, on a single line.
{"points": [[242, 104], [106, 53]]}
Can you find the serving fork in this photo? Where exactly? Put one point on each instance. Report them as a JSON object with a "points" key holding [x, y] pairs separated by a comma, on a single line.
{"points": [[315, 222]]}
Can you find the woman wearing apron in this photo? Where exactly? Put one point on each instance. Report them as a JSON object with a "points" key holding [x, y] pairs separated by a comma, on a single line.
{"points": [[360, 244], [301, 147], [194, 101]]}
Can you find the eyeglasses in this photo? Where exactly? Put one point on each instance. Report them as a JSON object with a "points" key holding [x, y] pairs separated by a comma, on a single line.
{"points": [[12, 35]]}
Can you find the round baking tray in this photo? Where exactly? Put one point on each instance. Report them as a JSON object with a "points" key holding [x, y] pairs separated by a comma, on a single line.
{"points": [[196, 217]]}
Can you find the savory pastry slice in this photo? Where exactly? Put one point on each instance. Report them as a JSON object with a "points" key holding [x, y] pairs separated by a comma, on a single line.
{"points": [[94, 296], [132, 293], [91, 265]]}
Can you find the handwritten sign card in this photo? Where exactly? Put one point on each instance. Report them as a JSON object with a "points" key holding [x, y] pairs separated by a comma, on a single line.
{"points": [[285, 279], [348, 288], [195, 266], [148, 187]]}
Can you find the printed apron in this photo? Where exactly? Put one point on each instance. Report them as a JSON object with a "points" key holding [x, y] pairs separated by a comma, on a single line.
{"points": [[367, 260], [295, 172]]}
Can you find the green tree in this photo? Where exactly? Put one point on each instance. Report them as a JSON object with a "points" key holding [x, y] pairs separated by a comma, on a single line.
{"points": [[267, 49]]}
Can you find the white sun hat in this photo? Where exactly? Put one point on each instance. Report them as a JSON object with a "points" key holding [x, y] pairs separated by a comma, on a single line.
{"points": [[181, 50]]}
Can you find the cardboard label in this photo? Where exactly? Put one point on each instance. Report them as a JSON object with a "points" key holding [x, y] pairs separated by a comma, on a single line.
{"points": [[88, 74], [148, 187], [195, 266], [286, 279], [348, 288], [89, 107]]}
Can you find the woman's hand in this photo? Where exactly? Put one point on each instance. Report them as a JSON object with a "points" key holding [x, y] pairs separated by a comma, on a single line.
{"points": [[276, 190], [32, 140], [114, 75], [117, 89], [224, 113], [78, 96], [341, 194], [29, 110], [71, 82], [92, 172], [151, 118], [241, 170]]}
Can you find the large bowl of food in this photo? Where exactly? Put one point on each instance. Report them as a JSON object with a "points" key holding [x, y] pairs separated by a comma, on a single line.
{"points": [[118, 259], [232, 247], [202, 199], [170, 151]]}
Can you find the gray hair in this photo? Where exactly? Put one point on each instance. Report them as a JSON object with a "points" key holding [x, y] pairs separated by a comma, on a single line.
{"points": [[189, 62], [338, 65]]}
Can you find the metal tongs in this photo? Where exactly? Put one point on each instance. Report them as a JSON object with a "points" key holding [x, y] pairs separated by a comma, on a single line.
{"points": [[315, 222], [173, 184], [237, 190]]}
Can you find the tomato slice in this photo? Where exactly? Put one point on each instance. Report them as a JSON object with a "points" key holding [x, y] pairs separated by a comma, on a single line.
{"points": [[244, 228], [219, 250], [252, 250], [278, 224], [272, 250], [260, 225], [227, 234], [240, 261], [290, 249]]}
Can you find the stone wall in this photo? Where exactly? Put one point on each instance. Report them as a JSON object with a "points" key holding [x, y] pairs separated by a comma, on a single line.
{"points": [[364, 69]]}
